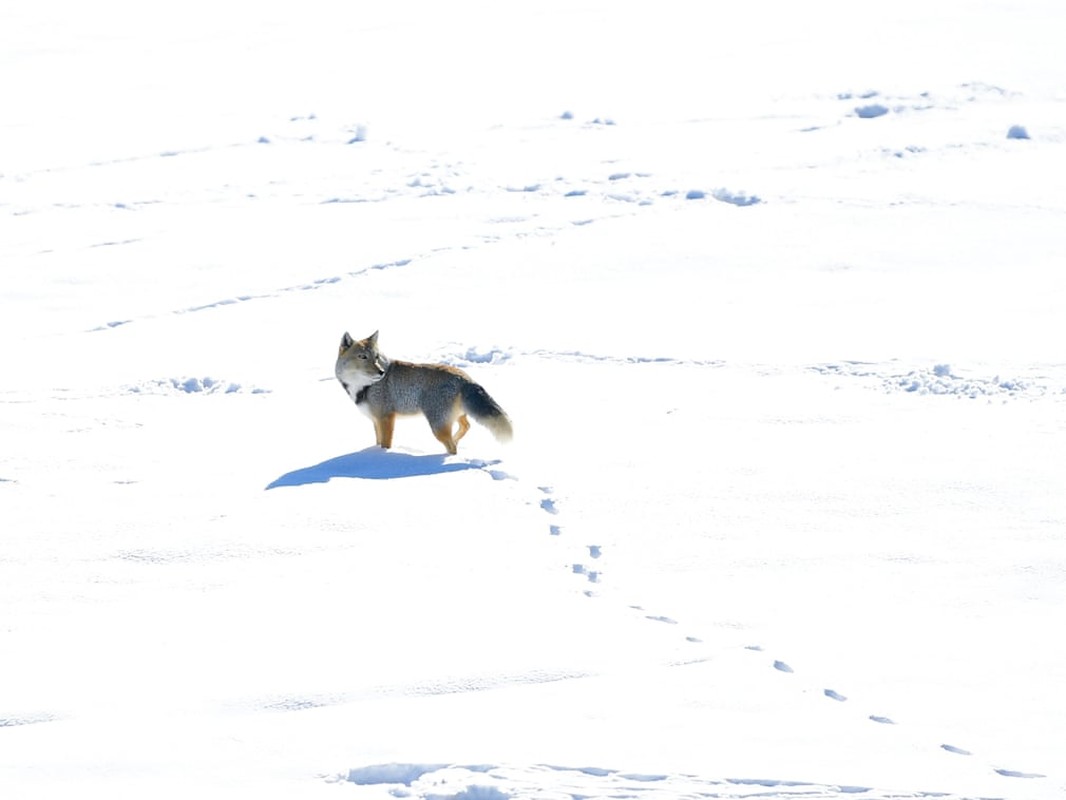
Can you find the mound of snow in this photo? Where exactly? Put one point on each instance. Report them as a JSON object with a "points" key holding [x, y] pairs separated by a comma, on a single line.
{"points": [[377, 774], [183, 385], [735, 198], [941, 380], [474, 355]]}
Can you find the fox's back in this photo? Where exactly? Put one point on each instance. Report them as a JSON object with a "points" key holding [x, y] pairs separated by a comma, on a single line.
{"points": [[408, 388]]}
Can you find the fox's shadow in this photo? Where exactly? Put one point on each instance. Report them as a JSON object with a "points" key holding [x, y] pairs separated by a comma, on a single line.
{"points": [[373, 463]]}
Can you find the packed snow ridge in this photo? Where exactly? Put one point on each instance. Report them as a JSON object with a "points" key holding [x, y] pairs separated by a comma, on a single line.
{"points": [[193, 385], [941, 379]]}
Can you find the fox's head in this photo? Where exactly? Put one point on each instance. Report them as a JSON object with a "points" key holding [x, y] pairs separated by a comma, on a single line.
{"points": [[359, 363]]}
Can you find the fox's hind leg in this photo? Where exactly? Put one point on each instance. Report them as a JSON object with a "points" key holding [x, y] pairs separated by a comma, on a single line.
{"points": [[442, 423], [383, 430], [464, 426], [444, 436]]}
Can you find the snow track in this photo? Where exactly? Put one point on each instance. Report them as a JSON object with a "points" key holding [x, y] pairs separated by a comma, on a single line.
{"points": [[497, 782]]}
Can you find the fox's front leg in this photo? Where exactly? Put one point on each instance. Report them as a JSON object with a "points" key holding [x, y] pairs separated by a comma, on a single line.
{"points": [[383, 430]]}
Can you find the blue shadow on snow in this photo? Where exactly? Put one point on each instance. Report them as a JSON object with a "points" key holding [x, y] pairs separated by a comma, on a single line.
{"points": [[374, 464]]}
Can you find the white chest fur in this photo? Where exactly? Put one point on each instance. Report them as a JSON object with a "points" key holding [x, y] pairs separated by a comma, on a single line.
{"points": [[354, 382]]}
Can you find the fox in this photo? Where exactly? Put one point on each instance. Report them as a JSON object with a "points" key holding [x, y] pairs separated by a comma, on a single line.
{"points": [[382, 388]]}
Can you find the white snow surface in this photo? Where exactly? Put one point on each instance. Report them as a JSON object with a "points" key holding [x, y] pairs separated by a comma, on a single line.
{"points": [[773, 293]]}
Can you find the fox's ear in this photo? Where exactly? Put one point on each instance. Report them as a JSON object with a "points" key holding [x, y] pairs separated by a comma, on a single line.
{"points": [[372, 339], [346, 341]]}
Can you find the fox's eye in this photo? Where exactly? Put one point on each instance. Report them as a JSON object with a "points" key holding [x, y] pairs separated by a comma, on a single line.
{"points": [[362, 356]]}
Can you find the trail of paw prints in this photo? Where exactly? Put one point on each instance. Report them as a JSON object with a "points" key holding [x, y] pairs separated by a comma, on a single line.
{"points": [[830, 694], [664, 619], [20, 720], [586, 568], [880, 719]]}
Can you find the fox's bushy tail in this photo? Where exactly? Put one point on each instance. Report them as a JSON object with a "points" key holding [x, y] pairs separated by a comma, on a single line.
{"points": [[478, 404]]}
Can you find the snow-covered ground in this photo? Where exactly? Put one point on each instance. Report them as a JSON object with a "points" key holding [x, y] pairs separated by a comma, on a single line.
{"points": [[772, 292]]}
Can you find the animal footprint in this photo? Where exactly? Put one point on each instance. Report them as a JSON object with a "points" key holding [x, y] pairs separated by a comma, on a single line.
{"points": [[548, 503], [659, 618], [495, 474], [592, 575], [1013, 773], [956, 750]]}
